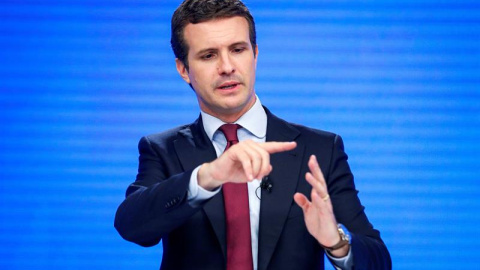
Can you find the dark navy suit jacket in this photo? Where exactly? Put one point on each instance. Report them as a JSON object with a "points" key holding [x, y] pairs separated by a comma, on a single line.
{"points": [[193, 237]]}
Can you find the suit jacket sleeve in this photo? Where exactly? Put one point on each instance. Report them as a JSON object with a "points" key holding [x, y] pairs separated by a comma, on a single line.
{"points": [[369, 251], [156, 203]]}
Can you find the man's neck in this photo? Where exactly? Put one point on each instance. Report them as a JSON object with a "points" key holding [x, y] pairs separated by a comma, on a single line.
{"points": [[231, 117], [254, 120]]}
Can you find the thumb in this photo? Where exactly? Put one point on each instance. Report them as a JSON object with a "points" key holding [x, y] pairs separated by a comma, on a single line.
{"points": [[301, 200]]}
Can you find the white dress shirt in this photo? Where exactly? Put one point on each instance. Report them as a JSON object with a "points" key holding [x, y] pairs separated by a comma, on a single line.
{"points": [[254, 127]]}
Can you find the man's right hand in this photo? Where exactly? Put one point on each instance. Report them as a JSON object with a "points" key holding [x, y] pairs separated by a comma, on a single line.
{"points": [[241, 163]]}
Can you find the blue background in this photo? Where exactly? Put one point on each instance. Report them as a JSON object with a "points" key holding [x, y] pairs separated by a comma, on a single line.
{"points": [[82, 81]]}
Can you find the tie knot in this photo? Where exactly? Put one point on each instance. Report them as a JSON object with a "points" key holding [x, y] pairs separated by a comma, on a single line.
{"points": [[230, 132]]}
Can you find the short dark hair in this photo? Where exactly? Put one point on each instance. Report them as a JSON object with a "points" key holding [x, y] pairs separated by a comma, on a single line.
{"points": [[197, 11]]}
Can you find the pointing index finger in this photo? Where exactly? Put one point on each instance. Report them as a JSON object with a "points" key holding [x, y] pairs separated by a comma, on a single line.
{"points": [[276, 147]]}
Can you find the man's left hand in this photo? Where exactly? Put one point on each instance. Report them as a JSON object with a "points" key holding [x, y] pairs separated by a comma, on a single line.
{"points": [[318, 213]]}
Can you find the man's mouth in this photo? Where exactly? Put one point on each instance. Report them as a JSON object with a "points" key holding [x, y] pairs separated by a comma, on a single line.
{"points": [[228, 85]]}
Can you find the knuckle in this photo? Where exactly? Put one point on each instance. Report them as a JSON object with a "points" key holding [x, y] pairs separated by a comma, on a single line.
{"points": [[249, 141]]}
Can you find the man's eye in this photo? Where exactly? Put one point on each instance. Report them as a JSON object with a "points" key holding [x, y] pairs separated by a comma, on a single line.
{"points": [[238, 50], [208, 56]]}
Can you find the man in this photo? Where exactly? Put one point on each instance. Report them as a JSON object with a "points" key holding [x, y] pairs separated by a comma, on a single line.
{"points": [[240, 188]]}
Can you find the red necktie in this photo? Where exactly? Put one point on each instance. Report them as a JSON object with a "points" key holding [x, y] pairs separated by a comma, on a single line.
{"points": [[235, 197]]}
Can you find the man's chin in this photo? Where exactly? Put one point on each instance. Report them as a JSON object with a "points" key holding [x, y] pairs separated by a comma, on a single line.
{"points": [[240, 106]]}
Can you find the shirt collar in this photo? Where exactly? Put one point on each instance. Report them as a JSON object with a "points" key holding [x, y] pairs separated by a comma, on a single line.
{"points": [[254, 120]]}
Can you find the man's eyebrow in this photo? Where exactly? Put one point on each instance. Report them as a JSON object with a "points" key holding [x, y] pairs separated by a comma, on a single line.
{"points": [[240, 43]]}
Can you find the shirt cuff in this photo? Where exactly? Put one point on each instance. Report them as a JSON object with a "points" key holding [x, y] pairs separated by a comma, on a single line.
{"points": [[342, 263], [197, 194]]}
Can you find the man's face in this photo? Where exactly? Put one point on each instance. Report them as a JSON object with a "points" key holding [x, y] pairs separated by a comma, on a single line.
{"points": [[221, 66]]}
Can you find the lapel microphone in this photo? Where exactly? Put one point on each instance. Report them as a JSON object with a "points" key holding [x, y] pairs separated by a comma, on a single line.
{"points": [[265, 184]]}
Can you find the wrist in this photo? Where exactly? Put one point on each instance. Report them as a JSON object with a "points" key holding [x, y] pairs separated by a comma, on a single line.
{"points": [[341, 248], [341, 252], [205, 179]]}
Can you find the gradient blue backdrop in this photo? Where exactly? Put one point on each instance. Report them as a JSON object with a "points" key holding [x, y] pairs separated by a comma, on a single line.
{"points": [[82, 81]]}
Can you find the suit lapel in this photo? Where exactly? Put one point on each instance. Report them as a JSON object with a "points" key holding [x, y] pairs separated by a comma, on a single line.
{"points": [[193, 148], [275, 205]]}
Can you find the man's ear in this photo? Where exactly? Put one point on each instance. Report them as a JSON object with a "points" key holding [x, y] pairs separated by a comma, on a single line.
{"points": [[182, 70]]}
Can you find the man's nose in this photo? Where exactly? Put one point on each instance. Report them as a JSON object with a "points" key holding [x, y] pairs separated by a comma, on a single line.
{"points": [[225, 65]]}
